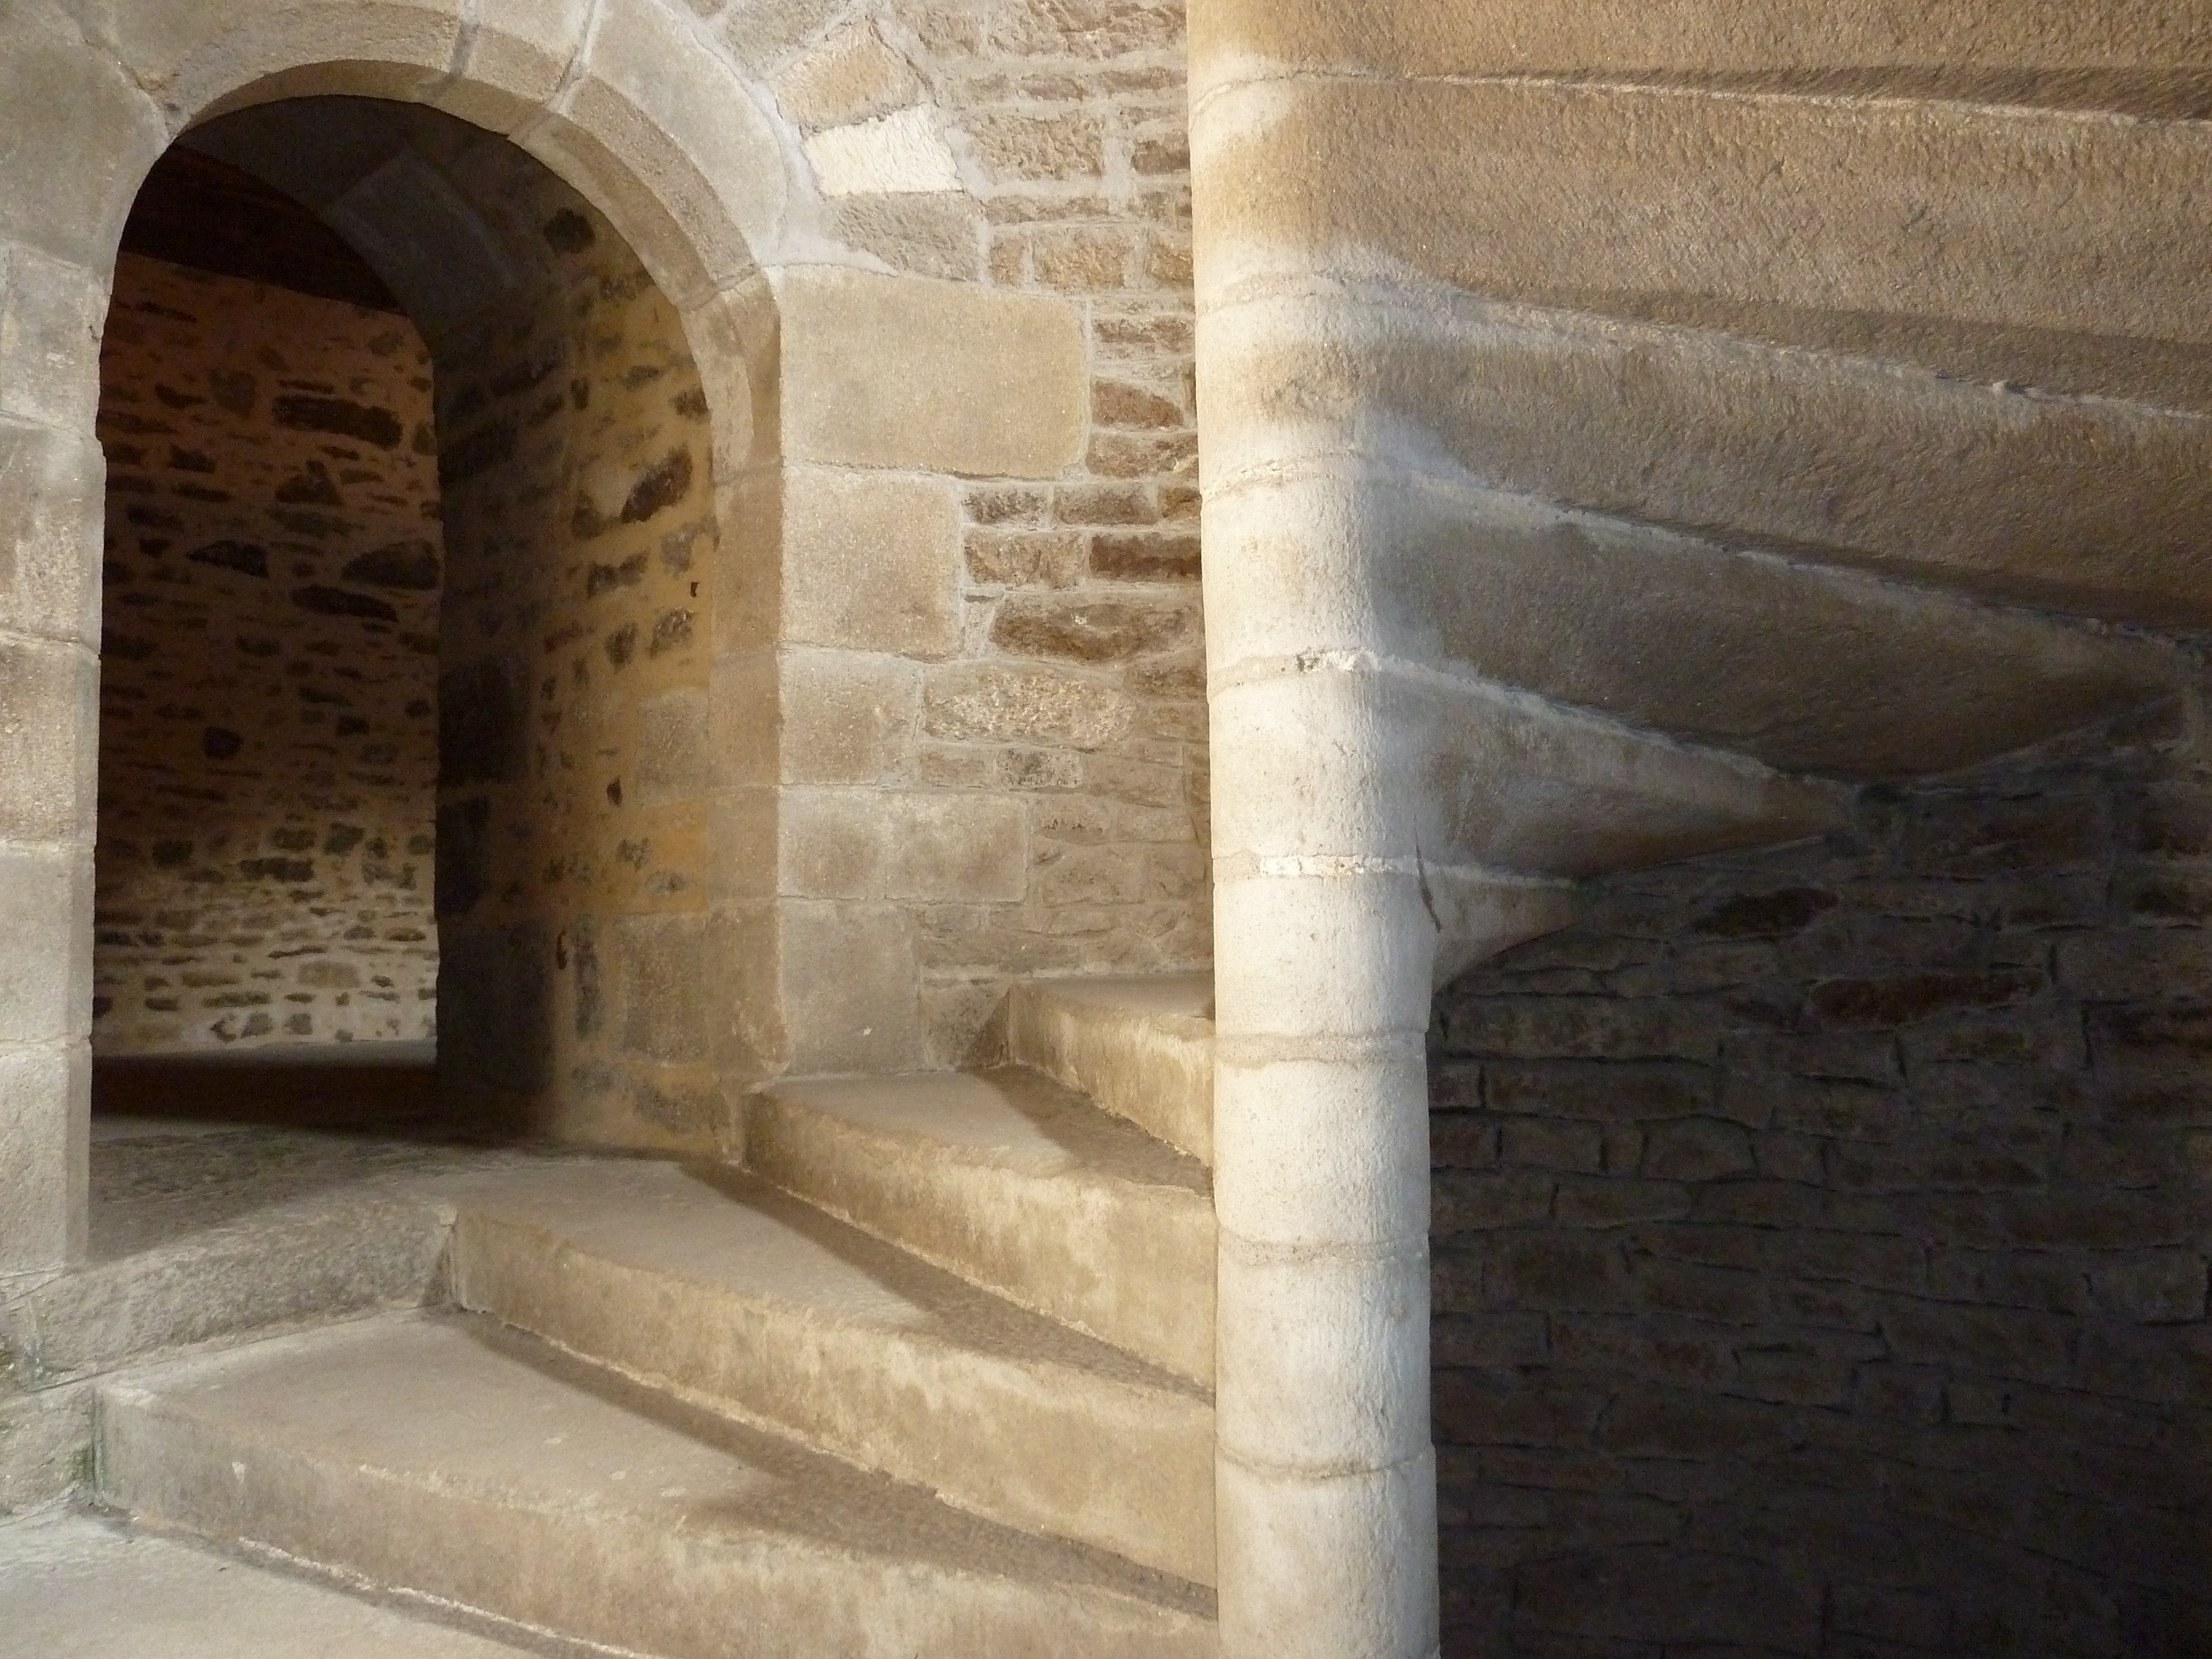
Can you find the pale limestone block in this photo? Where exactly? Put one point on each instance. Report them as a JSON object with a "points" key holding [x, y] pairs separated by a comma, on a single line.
{"points": [[200, 58], [744, 846], [732, 337], [749, 573], [673, 761], [49, 740], [52, 499], [848, 718], [1318, 1153], [1324, 1361], [902, 372], [518, 54], [80, 138], [870, 844], [1320, 959], [981, 702], [871, 563], [46, 1107], [673, 146], [746, 711], [1321, 1568], [898, 155], [850, 987], [52, 314], [851, 76]]}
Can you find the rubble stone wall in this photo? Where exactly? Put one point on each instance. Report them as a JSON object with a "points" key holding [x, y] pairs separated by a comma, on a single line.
{"points": [[1820, 1239], [572, 814], [267, 675]]}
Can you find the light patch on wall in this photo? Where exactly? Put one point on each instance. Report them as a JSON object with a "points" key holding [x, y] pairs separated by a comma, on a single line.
{"points": [[900, 155]]}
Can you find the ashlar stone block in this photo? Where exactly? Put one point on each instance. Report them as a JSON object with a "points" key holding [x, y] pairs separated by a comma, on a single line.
{"points": [[51, 313], [848, 718], [51, 503], [851, 987], [49, 740], [939, 848], [674, 147], [45, 916], [517, 55], [80, 139], [985, 702], [202, 57], [871, 563], [45, 1095], [906, 373], [851, 76]]}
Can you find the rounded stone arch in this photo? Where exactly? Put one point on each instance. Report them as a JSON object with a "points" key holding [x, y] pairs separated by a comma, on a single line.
{"points": [[844, 404], [616, 97]]}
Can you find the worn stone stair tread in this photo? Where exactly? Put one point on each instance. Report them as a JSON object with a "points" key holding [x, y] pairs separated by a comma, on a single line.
{"points": [[1141, 1048], [1833, 670], [1584, 187], [1017, 1184], [707, 1279], [2072, 480], [451, 1457], [208, 1236], [78, 1586]]}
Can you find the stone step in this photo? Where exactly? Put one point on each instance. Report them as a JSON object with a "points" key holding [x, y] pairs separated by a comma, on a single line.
{"points": [[1140, 1048], [709, 1282], [2070, 222], [1842, 454], [81, 1587], [1827, 670], [1015, 1184], [470, 1464], [2051, 55], [213, 1235], [1517, 786]]}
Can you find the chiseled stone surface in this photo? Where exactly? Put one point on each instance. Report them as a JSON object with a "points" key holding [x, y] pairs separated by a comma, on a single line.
{"points": [[1821, 1237], [269, 676]]}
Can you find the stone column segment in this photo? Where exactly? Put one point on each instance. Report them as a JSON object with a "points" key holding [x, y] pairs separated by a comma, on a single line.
{"points": [[80, 136]]}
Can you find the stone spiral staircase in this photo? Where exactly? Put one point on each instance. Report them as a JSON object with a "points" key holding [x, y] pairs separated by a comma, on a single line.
{"points": [[1628, 427], [1693, 410], [928, 1375]]}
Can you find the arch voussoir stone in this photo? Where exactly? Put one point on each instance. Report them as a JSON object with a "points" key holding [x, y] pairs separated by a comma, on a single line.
{"points": [[199, 58]]}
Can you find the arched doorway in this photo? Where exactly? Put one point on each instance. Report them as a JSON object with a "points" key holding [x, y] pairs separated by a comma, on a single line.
{"points": [[848, 407], [334, 616]]}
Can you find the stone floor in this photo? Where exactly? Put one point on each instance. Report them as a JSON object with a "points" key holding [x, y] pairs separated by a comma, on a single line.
{"points": [[75, 1586], [230, 1194]]}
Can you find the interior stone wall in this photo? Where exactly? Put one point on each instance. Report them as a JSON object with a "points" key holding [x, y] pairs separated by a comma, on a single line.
{"points": [[267, 675], [571, 815], [1820, 1238], [1035, 146]]}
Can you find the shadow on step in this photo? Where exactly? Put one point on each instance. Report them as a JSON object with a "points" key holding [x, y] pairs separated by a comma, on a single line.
{"points": [[182, 1144]]}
